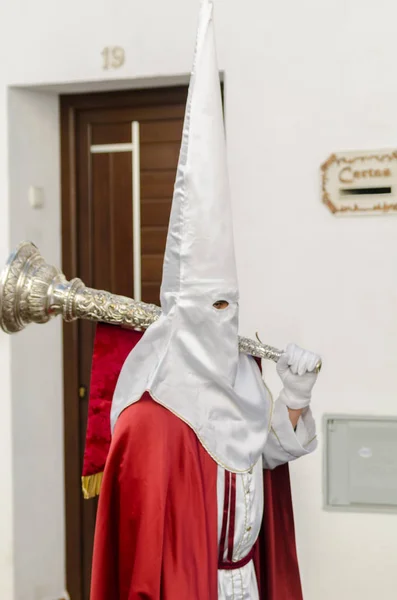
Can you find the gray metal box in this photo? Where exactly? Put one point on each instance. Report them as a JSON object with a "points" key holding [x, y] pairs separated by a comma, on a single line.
{"points": [[360, 463]]}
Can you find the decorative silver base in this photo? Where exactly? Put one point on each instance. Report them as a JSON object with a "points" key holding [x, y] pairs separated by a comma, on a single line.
{"points": [[24, 285], [32, 291]]}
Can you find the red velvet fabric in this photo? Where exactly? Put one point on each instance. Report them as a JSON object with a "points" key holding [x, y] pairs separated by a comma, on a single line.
{"points": [[111, 348], [276, 560], [156, 532]]}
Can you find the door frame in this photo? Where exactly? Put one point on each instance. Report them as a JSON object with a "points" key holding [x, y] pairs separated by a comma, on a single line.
{"points": [[70, 105]]}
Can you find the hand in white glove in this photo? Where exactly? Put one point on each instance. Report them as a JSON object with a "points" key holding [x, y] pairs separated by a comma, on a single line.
{"points": [[296, 368]]}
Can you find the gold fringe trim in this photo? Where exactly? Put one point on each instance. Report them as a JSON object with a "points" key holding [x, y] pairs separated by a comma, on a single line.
{"points": [[91, 485]]}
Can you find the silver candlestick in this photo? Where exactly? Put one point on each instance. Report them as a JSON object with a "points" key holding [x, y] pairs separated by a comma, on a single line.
{"points": [[32, 291]]}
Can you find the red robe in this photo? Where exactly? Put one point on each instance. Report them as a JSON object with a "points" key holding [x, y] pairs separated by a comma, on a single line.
{"points": [[156, 532]]}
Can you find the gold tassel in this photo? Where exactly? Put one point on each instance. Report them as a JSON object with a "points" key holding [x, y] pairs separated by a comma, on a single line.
{"points": [[91, 485]]}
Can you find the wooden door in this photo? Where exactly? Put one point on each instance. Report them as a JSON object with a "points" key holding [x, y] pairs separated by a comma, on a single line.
{"points": [[97, 231]]}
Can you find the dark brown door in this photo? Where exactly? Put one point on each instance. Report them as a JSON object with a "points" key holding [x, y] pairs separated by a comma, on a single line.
{"points": [[98, 248]]}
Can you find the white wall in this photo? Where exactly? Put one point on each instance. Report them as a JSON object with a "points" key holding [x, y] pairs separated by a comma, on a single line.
{"points": [[303, 79], [6, 497], [37, 358]]}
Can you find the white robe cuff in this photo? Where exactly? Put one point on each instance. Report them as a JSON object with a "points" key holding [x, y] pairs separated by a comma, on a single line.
{"points": [[284, 444]]}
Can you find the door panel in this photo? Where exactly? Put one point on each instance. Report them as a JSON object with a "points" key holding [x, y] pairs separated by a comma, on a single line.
{"points": [[157, 185], [98, 248]]}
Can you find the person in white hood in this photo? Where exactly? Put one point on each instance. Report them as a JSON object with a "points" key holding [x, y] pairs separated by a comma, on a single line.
{"points": [[185, 383]]}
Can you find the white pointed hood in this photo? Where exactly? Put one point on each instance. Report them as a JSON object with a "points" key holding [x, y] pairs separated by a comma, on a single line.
{"points": [[189, 359]]}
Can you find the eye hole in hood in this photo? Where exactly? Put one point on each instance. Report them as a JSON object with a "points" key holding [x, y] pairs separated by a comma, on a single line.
{"points": [[220, 304]]}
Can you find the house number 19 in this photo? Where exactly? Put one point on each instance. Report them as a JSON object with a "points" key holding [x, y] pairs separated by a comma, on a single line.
{"points": [[113, 57]]}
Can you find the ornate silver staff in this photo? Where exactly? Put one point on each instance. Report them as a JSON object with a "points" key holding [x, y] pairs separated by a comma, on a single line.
{"points": [[32, 291]]}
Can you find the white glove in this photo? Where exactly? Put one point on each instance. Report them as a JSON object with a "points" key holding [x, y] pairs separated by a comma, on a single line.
{"points": [[296, 368]]}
